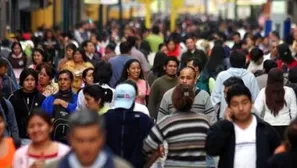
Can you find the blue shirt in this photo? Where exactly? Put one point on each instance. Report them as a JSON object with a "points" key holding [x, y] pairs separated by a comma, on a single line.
{"points": [[117, 64]]}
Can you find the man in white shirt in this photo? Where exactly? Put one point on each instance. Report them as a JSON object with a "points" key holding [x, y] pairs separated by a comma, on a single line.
{"points": [[242, 140]]}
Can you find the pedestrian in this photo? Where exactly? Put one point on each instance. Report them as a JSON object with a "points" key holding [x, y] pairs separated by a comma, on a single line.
{"points": [[37, 58], [87, 137], [242, 140], [46, 85], [276, 103], [179, 130], [262, 79]]}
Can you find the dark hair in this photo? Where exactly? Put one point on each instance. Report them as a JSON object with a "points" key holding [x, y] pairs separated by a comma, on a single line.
{"points": [[85, 43], [232, 81], [3, 62], [14, 44], [132, 40], [171, 58], [69, 73], [256, 54], [124, 75], [40, 113], [84, 119], [268, 65], [189, 36], [168, 40], [238, 90], [155, 29], [237, 59], [41, 53], [111, 46], [183, 97], [25, 73], [159, 62], [236, 34], [132, 83], [1, 115], [292, 77], [5, 42], [82, 52], [274, 91], [284, 53], [125, 47], [97, 92], [216, 59], [50, 71], [196, 63], [161, 45], [102, 73], [84, 73], [276, 34], [71, 46]]}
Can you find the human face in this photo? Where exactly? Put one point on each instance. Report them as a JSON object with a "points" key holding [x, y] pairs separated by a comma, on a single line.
{"points": [[93, 39], [43, 78], [188, 77], [91, 103], [17, 49], [89, 77], [3, 70], [236, 39], [87, 142], [37, 57], [171, 68], [171, 46], [90, 48], [134, 70], [77, 57], [190, 44], [2, 127], [274, 51], [29, 83], [38, 130], [250, 42], [241, 107], [64, 82], [69, 53]]}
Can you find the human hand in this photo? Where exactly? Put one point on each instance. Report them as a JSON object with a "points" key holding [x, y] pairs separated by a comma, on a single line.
{"points": [[228, 114]]}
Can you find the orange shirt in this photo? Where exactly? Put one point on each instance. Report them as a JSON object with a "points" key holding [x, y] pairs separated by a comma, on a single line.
{"points": [[6, 161]]}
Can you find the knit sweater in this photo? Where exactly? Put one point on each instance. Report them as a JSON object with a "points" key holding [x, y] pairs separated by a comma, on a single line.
{"points": [[158, 89], [185, 133], [201, 104]]}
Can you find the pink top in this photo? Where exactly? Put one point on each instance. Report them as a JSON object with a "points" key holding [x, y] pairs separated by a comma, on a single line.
{"points": [[22, 159], [143, 91]]}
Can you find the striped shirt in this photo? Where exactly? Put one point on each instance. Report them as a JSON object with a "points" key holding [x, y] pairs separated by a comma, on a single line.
{"points": [[201, 104], [185, 133]]}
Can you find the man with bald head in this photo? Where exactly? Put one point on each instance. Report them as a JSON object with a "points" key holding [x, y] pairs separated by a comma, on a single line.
{"points": [[202, 103]]}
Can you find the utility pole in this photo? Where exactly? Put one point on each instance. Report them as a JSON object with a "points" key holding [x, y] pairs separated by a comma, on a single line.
{"points": [[65, 15], [100, 18], [3, 22], [121, 18]]}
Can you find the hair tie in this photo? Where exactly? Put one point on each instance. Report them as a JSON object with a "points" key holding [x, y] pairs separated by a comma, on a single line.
{"points": [[186, 93], [105, 92]]}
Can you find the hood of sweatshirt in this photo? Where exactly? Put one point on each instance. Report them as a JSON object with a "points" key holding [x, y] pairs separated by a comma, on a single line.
{"points": [[238, 72]]}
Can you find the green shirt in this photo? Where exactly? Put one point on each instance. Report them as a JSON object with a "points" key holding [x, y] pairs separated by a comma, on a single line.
{"points": [[154, 41], [103, 110]]}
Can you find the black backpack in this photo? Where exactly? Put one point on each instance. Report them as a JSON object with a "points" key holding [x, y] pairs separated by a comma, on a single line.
{"points": [[60, 123]]}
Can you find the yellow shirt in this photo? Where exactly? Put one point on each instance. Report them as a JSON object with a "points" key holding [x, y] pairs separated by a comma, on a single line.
{"points": [[103, 110], [77, 70]]}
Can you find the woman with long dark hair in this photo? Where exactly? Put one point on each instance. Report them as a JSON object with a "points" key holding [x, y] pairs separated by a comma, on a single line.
{"points": [[17, 58], [216, 62], [38, 57], [132, 71], [158, 67], [276, 103], [286, 60]]}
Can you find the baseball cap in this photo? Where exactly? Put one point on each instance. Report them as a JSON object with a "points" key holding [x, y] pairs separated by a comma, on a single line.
{"points": [[124, 96]]}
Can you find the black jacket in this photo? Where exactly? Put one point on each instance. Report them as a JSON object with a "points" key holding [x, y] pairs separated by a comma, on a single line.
{"points": [[283, 160], [22, 103], [221, 142], [125, 132], [198, 54]]}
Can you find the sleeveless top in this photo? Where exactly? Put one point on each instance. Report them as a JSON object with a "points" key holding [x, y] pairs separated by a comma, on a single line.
{"points": [[6, 161]]}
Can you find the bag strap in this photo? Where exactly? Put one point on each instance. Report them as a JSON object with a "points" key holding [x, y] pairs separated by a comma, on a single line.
{"points": [[197, 92]]}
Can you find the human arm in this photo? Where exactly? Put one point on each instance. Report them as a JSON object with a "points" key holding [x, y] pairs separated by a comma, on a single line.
{"points": [[254, 87], [209, 110], [12, 123], [47, 105], [69, 106], [163, 109], [293, 104], [152, 105], [211, 84], [259, 104], [218, 136]]}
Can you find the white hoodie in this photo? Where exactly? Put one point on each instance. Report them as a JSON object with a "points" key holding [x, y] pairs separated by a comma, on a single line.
{"points": [[217, 95]]}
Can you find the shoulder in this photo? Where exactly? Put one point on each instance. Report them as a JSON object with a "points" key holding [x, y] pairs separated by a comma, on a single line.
{"points": [[63, 149], [22, 151], [89, 65], [169, 92], [203, 93], [141, 108], [275, 160]]}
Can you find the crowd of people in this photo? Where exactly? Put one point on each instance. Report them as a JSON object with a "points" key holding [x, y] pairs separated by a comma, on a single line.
{"points": [[190, 98]]}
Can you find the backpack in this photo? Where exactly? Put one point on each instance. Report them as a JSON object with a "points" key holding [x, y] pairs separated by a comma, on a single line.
{"points": [[60, 123]]}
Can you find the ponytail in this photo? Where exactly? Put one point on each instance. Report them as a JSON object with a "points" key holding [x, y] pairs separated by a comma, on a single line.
{"points": [[108, 94]]}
